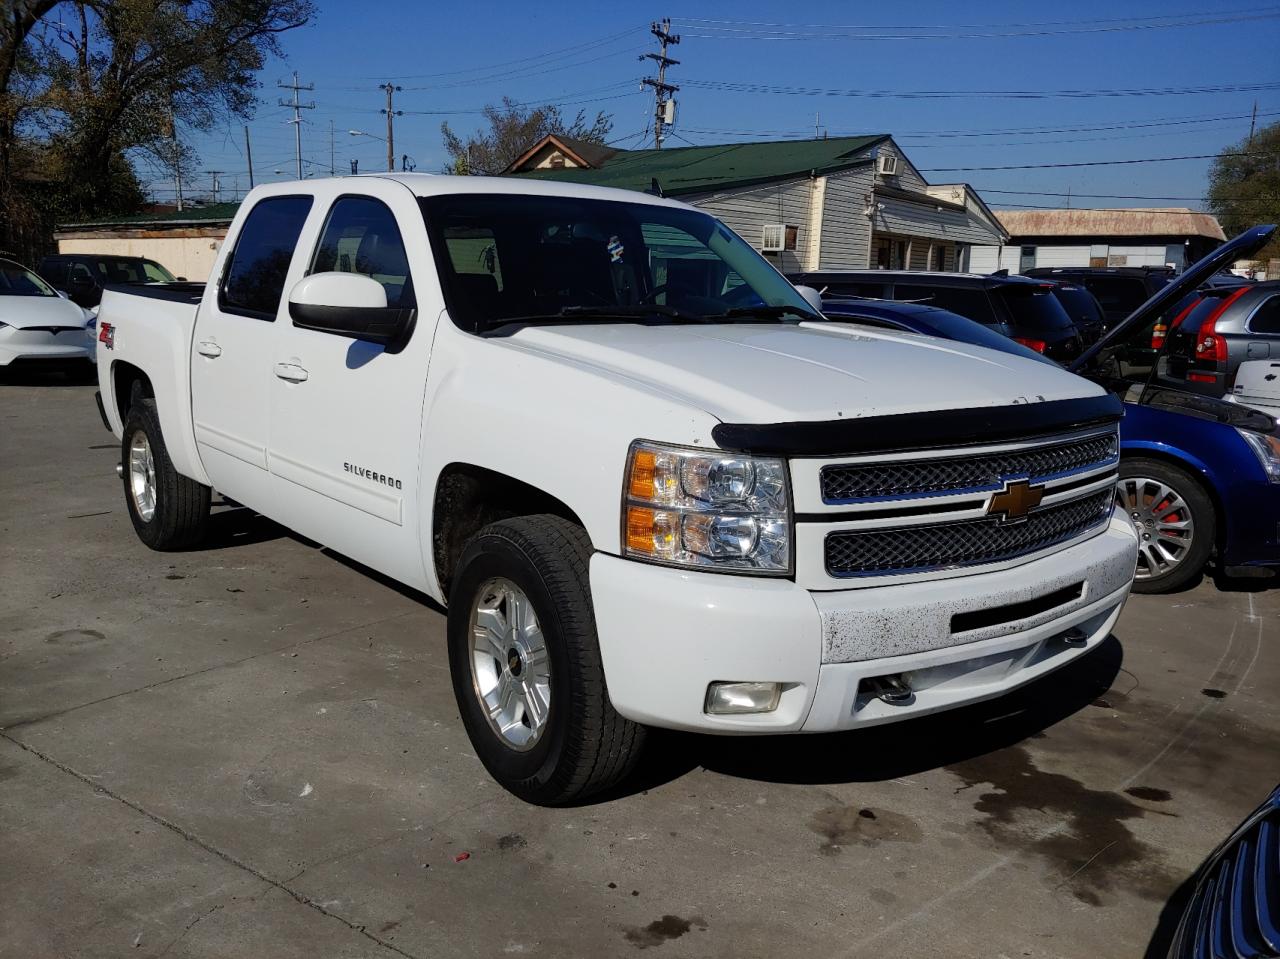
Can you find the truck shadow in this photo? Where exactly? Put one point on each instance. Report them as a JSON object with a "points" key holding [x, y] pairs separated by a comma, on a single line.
{"points": [[237, 525], [892, 751]]}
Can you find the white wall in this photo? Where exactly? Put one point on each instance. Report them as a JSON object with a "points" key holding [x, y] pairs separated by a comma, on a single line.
{"points": [[987, 259]]}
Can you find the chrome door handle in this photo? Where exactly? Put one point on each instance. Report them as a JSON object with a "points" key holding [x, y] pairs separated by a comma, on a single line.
{"points": [[209, 348], [291, 372]]}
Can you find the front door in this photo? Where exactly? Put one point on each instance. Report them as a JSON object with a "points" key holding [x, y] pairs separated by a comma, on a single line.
{"points": [[346, 414], [234, 345]]}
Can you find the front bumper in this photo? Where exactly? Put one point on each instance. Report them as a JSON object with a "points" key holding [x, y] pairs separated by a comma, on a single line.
{"points": [[666, 634], [30, 348]]}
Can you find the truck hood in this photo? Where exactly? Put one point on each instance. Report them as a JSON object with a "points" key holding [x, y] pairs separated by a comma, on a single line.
{"points": [[24, 312], [752, 373]]}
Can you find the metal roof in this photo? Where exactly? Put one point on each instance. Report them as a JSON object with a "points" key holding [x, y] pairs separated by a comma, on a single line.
{"points": [[703, 169], [1165, 221], [191, 216]]}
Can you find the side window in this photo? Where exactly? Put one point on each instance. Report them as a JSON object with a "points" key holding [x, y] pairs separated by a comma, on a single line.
{"points": [[971, 303], [873, 291], [80, 272], [255, 275], [361, 237], [1266, 318]]}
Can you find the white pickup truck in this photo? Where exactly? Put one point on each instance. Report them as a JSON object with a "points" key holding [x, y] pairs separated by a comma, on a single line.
{"points": [[652, 484]]}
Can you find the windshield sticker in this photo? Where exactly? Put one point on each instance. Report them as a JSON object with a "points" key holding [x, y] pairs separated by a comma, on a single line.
{"points": [[616, 249]]}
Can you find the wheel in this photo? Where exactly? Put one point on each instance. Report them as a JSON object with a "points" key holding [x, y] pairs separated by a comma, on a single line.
{"points": [[526, 664], [1174, 518], [169, 510]]}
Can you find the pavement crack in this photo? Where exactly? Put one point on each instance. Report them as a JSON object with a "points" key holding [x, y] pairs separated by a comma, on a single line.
{"points": [[186, 834], [31, 721]]}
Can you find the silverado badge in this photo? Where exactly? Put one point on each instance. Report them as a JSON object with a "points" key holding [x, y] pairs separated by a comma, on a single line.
{"points": [[1015, 501]]}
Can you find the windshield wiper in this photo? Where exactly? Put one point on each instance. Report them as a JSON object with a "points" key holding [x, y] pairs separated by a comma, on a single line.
{"points": [[766, 312]]}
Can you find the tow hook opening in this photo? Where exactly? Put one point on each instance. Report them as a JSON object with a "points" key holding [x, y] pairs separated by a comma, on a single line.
{"points": [[119, 470], [894, 689], [1075, 636]]}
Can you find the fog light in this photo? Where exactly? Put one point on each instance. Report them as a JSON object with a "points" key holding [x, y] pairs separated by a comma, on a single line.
{"points": [[727, 699]]}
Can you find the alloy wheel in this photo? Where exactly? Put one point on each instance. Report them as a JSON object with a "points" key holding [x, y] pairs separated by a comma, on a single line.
{"points": [[510, 667], [1163, 522]]}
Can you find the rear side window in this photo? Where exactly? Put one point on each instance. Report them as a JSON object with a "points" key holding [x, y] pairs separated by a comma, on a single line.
{"points": [[1266, 319], [972, 303], [1079, 304], [259, 264], [874, 291], [361, 237]]}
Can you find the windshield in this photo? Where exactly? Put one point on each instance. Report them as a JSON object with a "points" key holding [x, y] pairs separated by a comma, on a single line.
{"points": [[516, 258], [17, 280]]}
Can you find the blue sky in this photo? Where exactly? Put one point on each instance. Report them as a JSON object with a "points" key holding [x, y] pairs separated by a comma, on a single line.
{"points": [[458, 57]]}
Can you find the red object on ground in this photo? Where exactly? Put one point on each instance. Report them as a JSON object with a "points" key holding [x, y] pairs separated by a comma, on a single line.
{"points": [[460, 857]]}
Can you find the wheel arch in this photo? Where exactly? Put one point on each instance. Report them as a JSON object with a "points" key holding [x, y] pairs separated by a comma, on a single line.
{"points": [[1198, 470], [467, 497]]}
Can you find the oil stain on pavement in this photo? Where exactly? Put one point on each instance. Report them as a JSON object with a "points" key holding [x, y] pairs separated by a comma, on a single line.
{"points": [[852, 825], [662, 930]]}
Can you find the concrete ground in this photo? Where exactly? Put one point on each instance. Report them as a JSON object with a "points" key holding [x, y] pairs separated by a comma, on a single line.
{"points": [[252, 750]]}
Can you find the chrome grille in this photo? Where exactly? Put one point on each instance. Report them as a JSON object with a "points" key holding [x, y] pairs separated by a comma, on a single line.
{"points": [[853, 482], [904, 549]]}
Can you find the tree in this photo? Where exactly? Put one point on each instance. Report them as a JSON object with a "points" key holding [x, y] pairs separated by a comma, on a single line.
{"points": [[512, 128], [1244, 186], [92, 86]]}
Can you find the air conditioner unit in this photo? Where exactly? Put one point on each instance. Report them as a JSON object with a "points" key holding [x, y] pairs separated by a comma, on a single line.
{"points": [[888, 164], [773, 238]]}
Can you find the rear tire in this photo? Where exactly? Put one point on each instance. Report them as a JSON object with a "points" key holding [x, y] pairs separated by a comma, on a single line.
{"points": [[1175, 520], [169, 511], [531, 688]]}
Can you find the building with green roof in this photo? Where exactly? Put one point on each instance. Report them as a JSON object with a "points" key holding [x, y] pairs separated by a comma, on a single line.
{"points": [[824, 204]]}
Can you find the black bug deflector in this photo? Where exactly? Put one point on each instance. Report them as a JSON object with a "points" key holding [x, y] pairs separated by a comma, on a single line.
{"points": [[918, 431]]}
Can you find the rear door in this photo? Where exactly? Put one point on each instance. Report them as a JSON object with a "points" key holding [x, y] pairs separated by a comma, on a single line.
{"points": [[235, 344], [346, 414]]}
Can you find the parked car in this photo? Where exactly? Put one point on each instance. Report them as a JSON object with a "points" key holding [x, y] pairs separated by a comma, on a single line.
{"points": [[601, 428], [1199, 476], [925, 320], [1083, 308], [1257, 386], [1025, 308], [1234, 905], [1120, 289], [1222, 328], [82, 276], [36, 324]]}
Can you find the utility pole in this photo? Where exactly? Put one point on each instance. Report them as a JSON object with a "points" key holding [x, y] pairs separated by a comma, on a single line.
{"points": [[248, 155], [297, 117], [391, 114], [331, 170], [1253, 123], [663, 114], [216, 182]]}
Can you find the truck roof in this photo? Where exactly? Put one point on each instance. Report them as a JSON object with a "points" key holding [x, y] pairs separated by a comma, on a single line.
{"points": [[438, 184]]}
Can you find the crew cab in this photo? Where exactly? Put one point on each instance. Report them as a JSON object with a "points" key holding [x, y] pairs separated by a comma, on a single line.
{"points": [[651, 483]]}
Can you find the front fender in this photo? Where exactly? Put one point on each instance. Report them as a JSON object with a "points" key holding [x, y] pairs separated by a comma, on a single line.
{"points": [[560, 426]]}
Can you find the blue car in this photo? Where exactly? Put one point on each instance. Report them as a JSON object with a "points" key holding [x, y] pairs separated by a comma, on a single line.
{"points": [[1199, 476]]}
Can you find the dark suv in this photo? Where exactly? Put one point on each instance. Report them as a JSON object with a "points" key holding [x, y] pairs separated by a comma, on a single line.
{"points": [[1025, 310], [1120, 289], [1222, 328], [83, 275]]}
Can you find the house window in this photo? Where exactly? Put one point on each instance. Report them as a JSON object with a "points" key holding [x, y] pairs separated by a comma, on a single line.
{"points": [[1026, 259], [557, 161], [891, 253]]}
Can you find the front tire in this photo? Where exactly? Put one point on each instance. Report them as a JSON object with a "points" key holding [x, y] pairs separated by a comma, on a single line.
{"points": [[526, 665], [1174, 518], [169, 511]]}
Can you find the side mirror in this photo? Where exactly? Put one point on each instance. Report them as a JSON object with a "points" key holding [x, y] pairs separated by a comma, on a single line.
{"points": [[812, 297], [180, 279], [348, 304]]}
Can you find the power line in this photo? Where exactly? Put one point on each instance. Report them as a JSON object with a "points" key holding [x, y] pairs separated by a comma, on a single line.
{"points": [[748, 87], [1054, 166], [828, 32]]}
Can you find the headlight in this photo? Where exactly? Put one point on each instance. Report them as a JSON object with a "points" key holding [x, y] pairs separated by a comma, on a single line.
{"points": [[1267, 448], [706, 509]]}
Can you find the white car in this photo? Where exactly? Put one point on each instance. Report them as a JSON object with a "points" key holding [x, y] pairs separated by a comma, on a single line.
{"points": [[652, 483], [37, 323]]}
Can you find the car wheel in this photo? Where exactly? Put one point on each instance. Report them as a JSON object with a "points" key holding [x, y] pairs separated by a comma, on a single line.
{"points": [[169, 511], [1174, 518], [526, 665]]}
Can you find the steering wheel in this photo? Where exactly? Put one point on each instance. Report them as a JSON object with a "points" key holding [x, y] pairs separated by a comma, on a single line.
{"points": [[653, 294]]}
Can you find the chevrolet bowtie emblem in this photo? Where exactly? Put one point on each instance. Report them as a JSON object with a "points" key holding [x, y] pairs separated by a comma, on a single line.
{"points": [[1015, 501]]}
